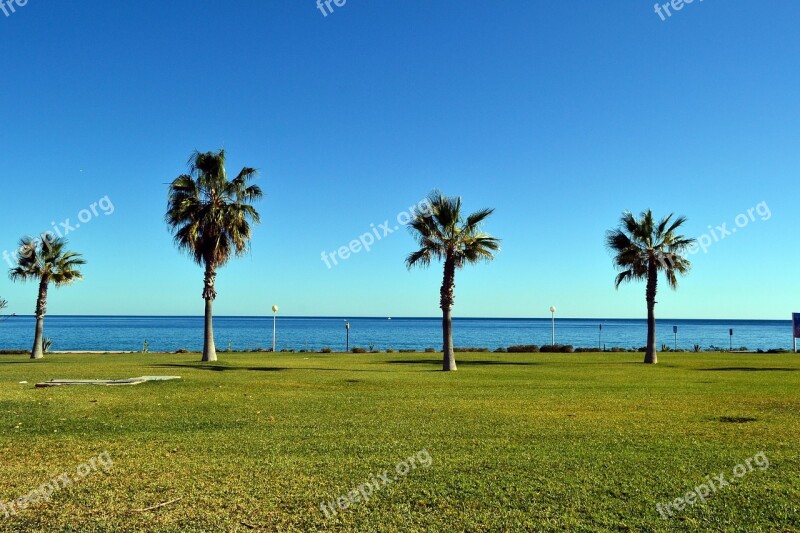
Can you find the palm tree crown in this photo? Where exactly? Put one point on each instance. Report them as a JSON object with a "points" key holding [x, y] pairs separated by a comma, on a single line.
{"points": [[209, 215], [48, 261], [639, 244], [210, 218], [443, 234]]}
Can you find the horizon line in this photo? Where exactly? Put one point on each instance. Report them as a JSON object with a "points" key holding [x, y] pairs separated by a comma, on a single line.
{"points": [[344, 317]]}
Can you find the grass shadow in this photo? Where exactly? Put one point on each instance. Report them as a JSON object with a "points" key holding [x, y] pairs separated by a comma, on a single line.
{"points": [[748, 369], [223, 368], [735, 419], [219, 368], [462, 363], [610, 363]]}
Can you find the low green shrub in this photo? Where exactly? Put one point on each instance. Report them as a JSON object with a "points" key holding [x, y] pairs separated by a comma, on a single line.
{"points": [[558, 348], [523, 348]]}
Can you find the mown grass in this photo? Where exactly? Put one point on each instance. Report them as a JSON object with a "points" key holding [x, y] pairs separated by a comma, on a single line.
{"points": [[583, 442]]}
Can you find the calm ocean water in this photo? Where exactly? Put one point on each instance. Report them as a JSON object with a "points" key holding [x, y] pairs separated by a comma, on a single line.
{"points": [[127, 333]]}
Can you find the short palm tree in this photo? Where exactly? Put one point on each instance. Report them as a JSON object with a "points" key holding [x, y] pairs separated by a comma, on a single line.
{"points": [[641, 250], [3, 305], [210, 218], [46, 261], [443, 234]]}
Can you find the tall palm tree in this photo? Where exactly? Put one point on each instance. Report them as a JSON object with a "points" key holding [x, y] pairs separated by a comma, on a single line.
{"points": [[210, 218], [46, 261], [443, 234], [642, 249]]}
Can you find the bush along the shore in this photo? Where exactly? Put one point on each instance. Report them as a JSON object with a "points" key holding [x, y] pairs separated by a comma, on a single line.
{"points": [[517, 349], [523, 348], [558, 348]]}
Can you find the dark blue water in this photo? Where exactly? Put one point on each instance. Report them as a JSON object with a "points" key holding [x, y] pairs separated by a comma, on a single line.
{"points": [[121, 333]]}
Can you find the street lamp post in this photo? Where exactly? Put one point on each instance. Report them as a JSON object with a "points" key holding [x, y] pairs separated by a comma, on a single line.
{"points": [[600, 338], [553, 313], [274, 330], [347, 336], [675, 331]]}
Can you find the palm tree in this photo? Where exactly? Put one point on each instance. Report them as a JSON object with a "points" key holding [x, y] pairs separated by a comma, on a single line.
{"points": [[210, 217], [443, 234], [3, 305], [642, 249], [47, 261]]}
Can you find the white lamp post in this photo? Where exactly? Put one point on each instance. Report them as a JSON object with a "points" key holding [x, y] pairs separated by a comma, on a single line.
{"points": [[553, 313], [274, 318]]}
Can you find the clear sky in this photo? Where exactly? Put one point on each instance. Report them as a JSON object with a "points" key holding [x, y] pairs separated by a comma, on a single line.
{"points": [[559, 114]]}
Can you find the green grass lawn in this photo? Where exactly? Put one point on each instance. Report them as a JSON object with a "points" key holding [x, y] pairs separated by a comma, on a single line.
{"points": [[584, 442]]}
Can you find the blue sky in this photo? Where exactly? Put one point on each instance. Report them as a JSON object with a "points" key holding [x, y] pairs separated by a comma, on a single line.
{"points": [[559, 114]]}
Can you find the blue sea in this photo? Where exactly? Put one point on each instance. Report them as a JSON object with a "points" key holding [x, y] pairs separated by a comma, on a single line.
{"points": [[128, 333]]}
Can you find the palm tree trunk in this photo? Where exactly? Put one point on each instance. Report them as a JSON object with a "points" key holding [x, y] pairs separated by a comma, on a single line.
{"points": [[209, 350], [446, 303], [651, 355], [37, 352]]}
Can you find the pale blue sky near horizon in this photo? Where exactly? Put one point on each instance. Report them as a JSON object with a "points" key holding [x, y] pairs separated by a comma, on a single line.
{"points": [[558, 114]]}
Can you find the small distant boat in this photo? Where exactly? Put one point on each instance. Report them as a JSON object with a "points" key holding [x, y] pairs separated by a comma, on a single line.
{"points": [[388, 318]]}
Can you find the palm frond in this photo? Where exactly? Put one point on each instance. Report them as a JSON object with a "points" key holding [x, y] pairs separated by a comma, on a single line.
{"points": [[420, 258]]}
